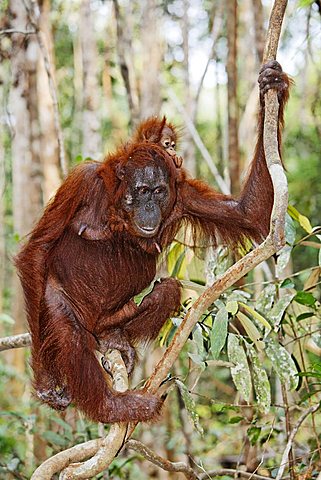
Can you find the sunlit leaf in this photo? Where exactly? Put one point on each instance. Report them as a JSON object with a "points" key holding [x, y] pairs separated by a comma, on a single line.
{"points": [[199, 341], [240, 371], [256, 315], [178, 265], [232, 307], [175, 259], [302, 219], [190, 406], [305, 223], [251, 330], [219, 332], [261, 382], [282, 363], [140, 296], [305, 3], [189, 285], [165, 332]]}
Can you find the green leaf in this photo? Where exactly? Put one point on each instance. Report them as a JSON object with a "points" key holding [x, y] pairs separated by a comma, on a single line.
{"points": [[279, 308], [305, 223], [240, 371], [289, 230], [305, 3], [260, 382], [256, 315], [266, 298], [140, 296], [78, 159], [197, 359], [283, 259], [287, 283], [190, 406], [251, 330], [303, 316], [175, 259], [283, 364], [223, 407], [219, 332], [199, 341], [253, 433], [302, 219], [189, 285], [232, 307], [178, 265], [305, 298], [235, 420]]}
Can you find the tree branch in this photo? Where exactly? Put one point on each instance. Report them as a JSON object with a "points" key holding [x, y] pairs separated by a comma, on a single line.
{"points": [[220, 472], [15, 341], [163, 463], [11, 31], [271, 146]]}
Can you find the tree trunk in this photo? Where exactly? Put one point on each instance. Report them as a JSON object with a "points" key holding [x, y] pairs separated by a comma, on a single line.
{"points": [[259, 32], [91, 146], [25, 152], [150, 88], [48, 139], [233, 145], [188, 147], [2, 186], [125, 58]]}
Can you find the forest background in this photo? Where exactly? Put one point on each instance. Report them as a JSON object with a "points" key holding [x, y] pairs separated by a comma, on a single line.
{"points": [[74, 81]]}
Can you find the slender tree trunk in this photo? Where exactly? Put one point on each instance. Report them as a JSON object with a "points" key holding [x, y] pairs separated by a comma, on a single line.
{"points": [[233, 145], [25, 152], [188, 147], [152, 53], [91, 115], [125, 58], [48, 139], [259, 32], [221, 157], [2, 186]]}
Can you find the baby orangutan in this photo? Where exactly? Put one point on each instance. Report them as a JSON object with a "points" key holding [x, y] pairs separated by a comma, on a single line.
{"points": [[162, 133]]}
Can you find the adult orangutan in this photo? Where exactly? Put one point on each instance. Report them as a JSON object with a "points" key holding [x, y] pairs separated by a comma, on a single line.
{"points": [[96, 247]]}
